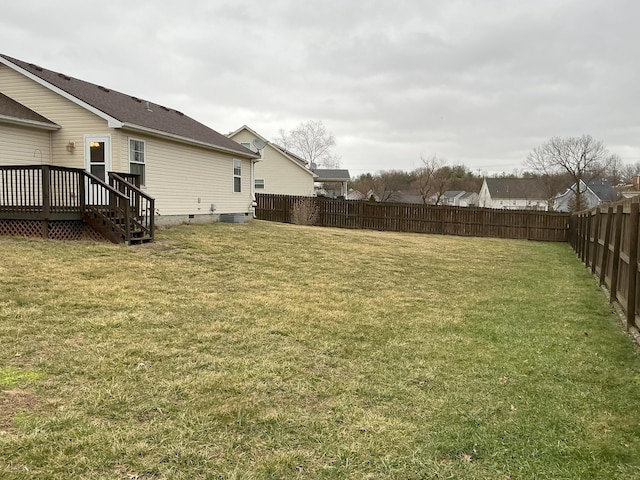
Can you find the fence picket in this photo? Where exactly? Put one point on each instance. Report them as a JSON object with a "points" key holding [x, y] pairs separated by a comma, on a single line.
{"points": [[416, 218]]}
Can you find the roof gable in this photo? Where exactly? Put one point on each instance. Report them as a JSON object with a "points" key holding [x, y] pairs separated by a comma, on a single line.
{"points": [[125, 111], [285, 153], [14, 112]]}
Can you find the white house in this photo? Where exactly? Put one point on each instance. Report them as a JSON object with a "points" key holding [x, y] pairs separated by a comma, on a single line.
{"points": [[513, 194], [278, 171], [459, 198]]}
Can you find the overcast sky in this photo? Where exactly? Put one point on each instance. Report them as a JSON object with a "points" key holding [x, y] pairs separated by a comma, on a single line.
{"points": [[478, 82]]}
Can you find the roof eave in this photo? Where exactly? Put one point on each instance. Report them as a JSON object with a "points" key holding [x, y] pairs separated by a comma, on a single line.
{"points": [[29, 123], [186, 140]]}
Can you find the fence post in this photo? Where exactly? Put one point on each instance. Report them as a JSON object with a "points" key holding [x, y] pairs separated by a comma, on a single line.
{"points": [[587, 240], [615, 261], [596, 241], [633, 265], [607, 241], [579, 227]]}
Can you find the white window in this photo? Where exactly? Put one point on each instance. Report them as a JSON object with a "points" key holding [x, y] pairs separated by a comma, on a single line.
{"points": [[259, 184], [137, 158], [246, 145], [237, 176]]}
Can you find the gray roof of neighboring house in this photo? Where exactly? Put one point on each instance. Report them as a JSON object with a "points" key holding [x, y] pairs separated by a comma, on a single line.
{"points": [[603, 190], [332, 175], [407, 197], [11, 109], [133, 111], [526, 188], [452, 193]]}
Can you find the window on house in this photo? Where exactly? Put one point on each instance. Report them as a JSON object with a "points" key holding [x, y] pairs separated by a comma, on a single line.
{"points": [[246, 145], [237, 176], [259, 183], [137, 158]]}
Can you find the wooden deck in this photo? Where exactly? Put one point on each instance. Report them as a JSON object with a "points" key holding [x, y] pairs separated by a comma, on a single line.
{"points": [[69, 203]]}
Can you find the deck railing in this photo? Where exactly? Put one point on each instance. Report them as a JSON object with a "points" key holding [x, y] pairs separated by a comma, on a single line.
{"points": [[142, 205], [48, 193], [40, 190]]}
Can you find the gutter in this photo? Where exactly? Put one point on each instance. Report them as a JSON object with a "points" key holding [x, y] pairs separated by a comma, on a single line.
{"points": [[29, 123], [189, 141]]}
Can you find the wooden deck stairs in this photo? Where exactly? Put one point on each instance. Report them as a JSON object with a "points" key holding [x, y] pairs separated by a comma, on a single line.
{"points": [[68, 203]]}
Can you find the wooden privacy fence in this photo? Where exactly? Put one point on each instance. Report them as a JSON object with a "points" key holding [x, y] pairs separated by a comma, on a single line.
{"points": [[408, 217], [606, 240]]}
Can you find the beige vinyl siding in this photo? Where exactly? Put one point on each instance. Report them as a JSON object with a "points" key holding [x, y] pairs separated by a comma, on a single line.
{"points": [[76, 122], [281, 175], [23, 146], [186, 180]]}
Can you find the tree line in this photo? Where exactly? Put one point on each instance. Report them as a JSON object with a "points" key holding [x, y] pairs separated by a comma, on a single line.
{"points": [[559, 164]]}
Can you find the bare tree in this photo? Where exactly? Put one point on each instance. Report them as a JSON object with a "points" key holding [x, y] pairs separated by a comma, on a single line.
{"points": [[385, 186], [614, 170], [582, 159], [630, 172], [310, 141], [427, 178]]}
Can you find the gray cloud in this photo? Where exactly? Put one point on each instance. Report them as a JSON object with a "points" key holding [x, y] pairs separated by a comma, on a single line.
{"points": [[479, 82]]}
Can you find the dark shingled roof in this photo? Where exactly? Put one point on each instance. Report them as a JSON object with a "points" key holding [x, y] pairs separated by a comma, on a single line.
{"points": [[604, 191], [10, 108], [512, 188], [134, 111]]}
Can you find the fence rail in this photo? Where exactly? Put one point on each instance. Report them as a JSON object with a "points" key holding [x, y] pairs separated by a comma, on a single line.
{"points": [[407, 217], [606, 240]]}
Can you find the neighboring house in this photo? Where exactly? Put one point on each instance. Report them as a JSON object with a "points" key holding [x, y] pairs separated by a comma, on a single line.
{"points": [[193, 172], [593, 194], [459, 198], [331, 182], [513, 194], [279, 171], [408, 196], [356, 195]]}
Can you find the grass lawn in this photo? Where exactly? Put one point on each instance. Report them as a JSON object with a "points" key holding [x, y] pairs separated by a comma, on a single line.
{"points": [[279, 351]]}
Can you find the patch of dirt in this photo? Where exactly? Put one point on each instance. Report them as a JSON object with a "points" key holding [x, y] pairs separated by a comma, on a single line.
{"points": [[12, 402]]}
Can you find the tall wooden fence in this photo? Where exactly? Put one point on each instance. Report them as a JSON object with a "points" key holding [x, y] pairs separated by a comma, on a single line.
{"points": [[408, 217], [606, 240]]}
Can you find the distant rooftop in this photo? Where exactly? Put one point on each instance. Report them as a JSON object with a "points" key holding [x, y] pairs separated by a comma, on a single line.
{"points": [[332, 175]]}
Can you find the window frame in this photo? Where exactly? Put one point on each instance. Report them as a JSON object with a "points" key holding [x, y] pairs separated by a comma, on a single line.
{"points": [[143, 163], [237, 176]]}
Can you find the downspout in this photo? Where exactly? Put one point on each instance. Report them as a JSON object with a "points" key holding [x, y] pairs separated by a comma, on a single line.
{"points": [[254, 204]]}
